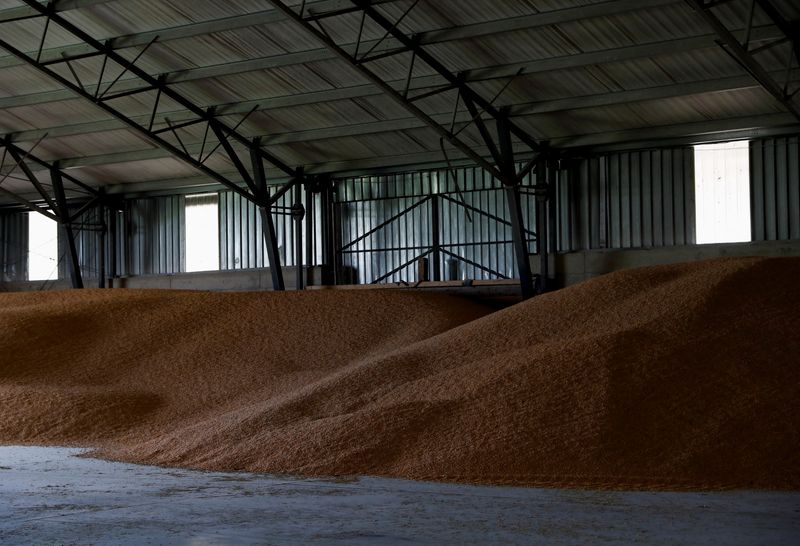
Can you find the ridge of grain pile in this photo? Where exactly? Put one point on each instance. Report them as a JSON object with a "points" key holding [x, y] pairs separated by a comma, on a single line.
{"points": [[670, 377]]}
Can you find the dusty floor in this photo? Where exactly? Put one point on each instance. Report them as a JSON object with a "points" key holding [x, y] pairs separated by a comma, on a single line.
{"points": [[49, 496]]}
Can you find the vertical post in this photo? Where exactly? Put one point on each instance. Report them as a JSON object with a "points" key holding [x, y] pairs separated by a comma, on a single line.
{"points": [[550, 189], [102, 249], [514, 203], [310, 228], [273, 254], [521, 253], [297, 215], [328, 230], [128, 233], [423, 269], [435, 239], [73, 265], [542, 238], [336, 240], [265, 210], [112, 232]]}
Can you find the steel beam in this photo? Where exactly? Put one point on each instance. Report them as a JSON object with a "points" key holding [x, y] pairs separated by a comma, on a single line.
{"points": [[734, 83], [388, 90], [745, 56], [146, 82], [23, 160], [567, 104], [202, 28], [537, 20], [699, 132], [534, 66], [65, 223], [149, 83], [298, 213], [26, 12], [436, 244], [267, 225], [513, 201], [503, 168]]}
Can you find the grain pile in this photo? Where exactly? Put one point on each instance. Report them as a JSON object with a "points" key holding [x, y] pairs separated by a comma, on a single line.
{"points": [[670, 377]]}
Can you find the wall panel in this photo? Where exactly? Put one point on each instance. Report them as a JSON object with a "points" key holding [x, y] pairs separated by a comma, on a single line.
{"points": [[13, 246], [639, 199], [775, 189], [154, 235], [241, 237]]}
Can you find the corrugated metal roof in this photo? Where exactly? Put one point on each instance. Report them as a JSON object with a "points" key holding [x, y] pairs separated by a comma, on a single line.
{"points": [[626, 66]]}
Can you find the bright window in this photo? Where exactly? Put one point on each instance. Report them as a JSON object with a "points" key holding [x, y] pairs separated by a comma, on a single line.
{"points": [[722, 192], [42, 247], [202, 232]]}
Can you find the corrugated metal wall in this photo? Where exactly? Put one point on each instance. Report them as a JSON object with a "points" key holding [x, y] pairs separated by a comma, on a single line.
{"points": [[775, 188], [627, 200], [616, 200], [612, 200], [13, 247], [387, 222], [154, 236], [89, 238], [241, 238]]}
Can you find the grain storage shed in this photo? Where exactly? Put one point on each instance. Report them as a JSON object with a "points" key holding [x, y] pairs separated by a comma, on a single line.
{"points": [[499, 150]]}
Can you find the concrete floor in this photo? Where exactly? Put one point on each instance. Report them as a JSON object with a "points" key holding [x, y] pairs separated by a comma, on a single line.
{"points": [[49, 496]]}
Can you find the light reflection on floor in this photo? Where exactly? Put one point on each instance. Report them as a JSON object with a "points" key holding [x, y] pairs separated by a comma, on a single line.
{"points": [[47, 495]]}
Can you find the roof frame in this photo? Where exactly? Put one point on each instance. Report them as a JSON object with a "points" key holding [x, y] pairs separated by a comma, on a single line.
{"points": [[156, 88], [746, 56], [55, 206], [499, 143], [411, 48]]}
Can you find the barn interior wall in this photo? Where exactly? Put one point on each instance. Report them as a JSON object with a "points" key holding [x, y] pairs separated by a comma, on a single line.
{"points": [[13, 247], [616, 208], [775, 189]]}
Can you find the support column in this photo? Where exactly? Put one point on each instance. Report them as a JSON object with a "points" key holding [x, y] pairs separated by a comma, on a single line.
{"points": [[521, 252], [298, 211], [328, 231], [73, 265], [436, 242], [513, 200], [273, 254], [102, 250], [310, 227], [112, 233], [542, 225], [265, 210]]}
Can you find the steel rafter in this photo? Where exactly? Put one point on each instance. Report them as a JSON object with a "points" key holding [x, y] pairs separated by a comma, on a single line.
{"points": [[480, 109], [747, 55], [482, 73], [152, 129], [55, 206]]}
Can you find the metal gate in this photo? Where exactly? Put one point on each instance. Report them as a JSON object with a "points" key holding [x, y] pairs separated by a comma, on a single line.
{"points": [[458, 223]]}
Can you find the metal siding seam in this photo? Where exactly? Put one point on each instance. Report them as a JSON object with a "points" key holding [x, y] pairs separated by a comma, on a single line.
{"points": [[585, 195], [793, 178], [677, 188], [770, 205], [689, 192], [656, 175], [222, 230], [668, 183], [637, 228], [756, 191], [628, 200], [647, 198], [782, 190]]}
